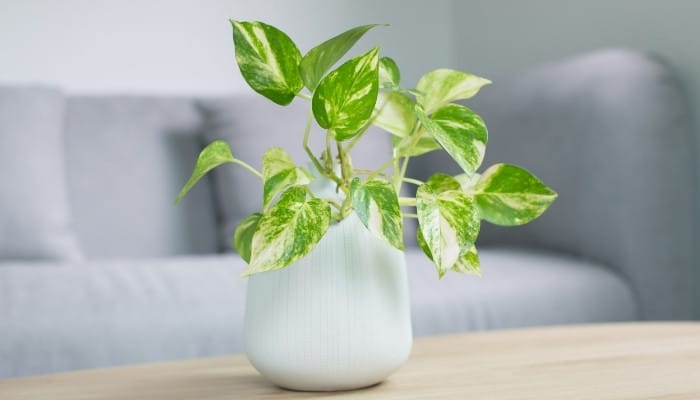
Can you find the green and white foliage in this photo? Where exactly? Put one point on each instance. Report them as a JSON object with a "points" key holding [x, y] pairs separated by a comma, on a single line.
{"points": [[363, 91], [279, 172], [289, 231], [215, 154], [268, 60], [243, 237], [322, 57], [377, 205], [449, 220], [443, 86], [344, 100], [460, 131], [509, 195]]}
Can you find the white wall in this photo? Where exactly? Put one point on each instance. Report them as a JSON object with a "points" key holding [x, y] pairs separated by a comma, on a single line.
{"points": [[501, 36], [185, 46]]}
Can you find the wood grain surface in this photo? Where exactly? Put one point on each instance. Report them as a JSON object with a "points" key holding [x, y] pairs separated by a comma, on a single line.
{"points": [[592, 362]]}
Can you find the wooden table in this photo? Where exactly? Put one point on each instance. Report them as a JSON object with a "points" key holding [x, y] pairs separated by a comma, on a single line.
{"points": [[595, 362]]}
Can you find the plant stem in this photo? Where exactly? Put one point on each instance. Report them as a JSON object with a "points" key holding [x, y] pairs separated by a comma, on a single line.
{"points": [[413, 181], [407, 201], [409, 215], [313, 158], [381, 169], [304, 96], [334, 204], [307, 149], [248, 167]]}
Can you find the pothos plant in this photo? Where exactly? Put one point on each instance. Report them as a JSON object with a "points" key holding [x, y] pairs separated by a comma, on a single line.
{"points": [[365, 91]]}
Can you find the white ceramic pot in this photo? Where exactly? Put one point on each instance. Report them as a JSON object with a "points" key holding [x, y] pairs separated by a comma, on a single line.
{"points": [[337, 319]]}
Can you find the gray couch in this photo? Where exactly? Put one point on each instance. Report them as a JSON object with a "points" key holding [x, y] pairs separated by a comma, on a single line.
{"points": [[98, 268]]}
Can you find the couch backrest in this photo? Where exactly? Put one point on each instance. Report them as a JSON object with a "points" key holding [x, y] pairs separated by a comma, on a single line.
{"points": [[127, 159], [611, 132]]}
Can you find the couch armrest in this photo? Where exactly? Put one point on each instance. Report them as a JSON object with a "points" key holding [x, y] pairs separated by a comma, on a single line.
{"points": [[611, 132], [57, 317]]}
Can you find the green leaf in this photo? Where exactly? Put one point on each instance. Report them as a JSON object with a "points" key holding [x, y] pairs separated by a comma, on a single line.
{"points": [[422, 244], [449, 220], [443, 86], [344, 100], [460, 131], [322, 57], [395, 113], [376, 203], [467, 182], [424, 145], [288, 231], [389, 74], [469, 263], [510, 195], [214, 154], [268, 60], [279, 172], [243, 237]]}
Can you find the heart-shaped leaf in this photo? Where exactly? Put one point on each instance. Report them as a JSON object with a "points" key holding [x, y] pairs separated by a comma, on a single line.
{"points": [[460, 131], [268, 60], [467, 264], [243, 237], [214, 154], [425, 144], [288, 231], [322, 57], [394, 112], [442, 86], [279, 172], [448, 218], [389, 74], [376, 203], [344, 100], [510, 195]]}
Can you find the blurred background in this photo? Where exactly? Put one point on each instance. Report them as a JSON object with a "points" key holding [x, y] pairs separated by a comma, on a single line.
{"points": [[184, 46], [178, 49]]}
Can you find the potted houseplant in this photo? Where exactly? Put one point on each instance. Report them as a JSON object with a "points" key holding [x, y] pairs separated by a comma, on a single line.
{"points": [[327, 305]]}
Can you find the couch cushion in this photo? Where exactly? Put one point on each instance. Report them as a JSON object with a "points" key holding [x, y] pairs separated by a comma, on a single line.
{"points": [[35, 217], [251, 124], [108, 312], [117, 312], [128, 158], [518, 288]]}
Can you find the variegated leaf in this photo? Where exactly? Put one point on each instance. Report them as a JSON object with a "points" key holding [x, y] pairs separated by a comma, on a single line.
{"points": [[394, 112], [288, 231], [376, 204], [448, 218], [243, 237], [443, 86], [510, 195], [268, 60], [344, 100], [403, 147], [467, 264], [322, 57], [460, 131], [279, 172], [389, 74], [468, 182], [214, 154]]}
